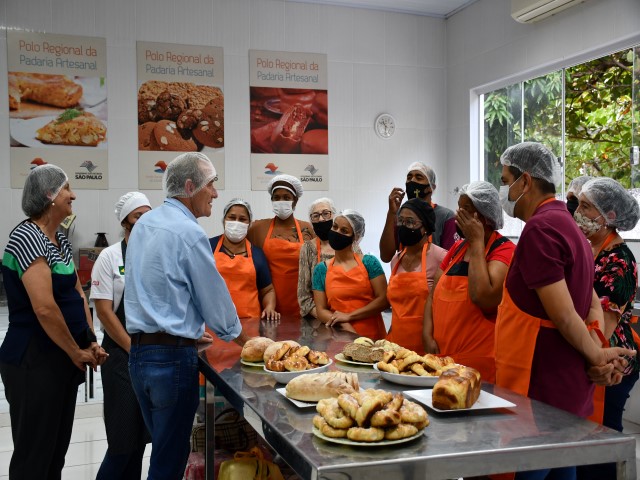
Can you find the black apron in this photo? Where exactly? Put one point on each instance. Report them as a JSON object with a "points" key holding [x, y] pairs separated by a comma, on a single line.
{"points": [[126, 431]]}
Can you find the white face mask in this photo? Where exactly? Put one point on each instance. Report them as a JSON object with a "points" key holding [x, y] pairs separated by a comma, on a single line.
{"points": [[587, 225], [235, 231], [283, 209], [508, 206]]}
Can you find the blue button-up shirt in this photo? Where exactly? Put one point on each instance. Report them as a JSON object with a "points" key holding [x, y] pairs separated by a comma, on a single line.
{"points": [[172, 284]]}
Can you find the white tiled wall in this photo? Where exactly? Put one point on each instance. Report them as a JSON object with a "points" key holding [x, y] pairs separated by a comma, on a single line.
{"points": [[377, 62]]}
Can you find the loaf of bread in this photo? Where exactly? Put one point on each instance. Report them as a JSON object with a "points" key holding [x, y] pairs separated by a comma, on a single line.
{"points": [[457, 387], [313, 387], [254, 348]]}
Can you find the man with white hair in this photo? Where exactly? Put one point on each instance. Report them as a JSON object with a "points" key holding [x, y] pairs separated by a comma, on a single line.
{"points": [[173, 289], [421, 183]]}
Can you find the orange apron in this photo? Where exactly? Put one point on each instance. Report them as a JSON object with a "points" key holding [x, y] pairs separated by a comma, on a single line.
{"points": [[599, 392], [283, 258], [460, 327], [239, 274], [348, 291], [407, 293]]}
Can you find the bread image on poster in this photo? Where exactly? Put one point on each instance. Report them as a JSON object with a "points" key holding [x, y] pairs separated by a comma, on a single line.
{"points": [[50, 110], [289, 120], [179, 116]]}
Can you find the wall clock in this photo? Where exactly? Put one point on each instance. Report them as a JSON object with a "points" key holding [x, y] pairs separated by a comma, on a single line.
{"points": [[385, 125]]}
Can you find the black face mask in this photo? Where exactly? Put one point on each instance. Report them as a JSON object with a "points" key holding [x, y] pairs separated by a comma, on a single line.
{"points": [[322, 229], [416, 190], [409, 237], [339, 241], [459, 232], [572, 205]]}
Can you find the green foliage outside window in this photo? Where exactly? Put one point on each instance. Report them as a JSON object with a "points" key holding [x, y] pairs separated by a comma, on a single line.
{"points": [[599, 112]]}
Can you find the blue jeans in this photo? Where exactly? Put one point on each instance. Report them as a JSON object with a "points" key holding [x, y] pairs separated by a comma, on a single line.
{"points": [[165, 379]]}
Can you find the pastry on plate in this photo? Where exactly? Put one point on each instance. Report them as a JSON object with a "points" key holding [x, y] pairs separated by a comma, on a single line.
{"points": [[73, 127]]}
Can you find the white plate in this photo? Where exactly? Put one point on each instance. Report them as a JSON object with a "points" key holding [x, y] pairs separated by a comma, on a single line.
{"points": [[485, 401], [383, 443], [24, 131], [341, 358], [298, 403], [252, 364], [407, 379], [286, 377]]}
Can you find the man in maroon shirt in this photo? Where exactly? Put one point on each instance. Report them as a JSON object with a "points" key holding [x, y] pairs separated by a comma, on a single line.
{"points": [[542, 341]]}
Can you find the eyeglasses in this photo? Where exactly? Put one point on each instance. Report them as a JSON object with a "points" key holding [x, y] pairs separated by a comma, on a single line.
{"points": [[325, 214], [409, 223]]}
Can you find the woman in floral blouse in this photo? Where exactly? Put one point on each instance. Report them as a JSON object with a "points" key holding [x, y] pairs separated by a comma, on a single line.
{"points": [[605, 208]]}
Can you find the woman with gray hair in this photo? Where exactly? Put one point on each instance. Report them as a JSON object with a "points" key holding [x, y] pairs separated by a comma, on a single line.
{"points": [[350, 288], [244, 266], [460, 313], [314, 251], [50, 339], [605, 208]]}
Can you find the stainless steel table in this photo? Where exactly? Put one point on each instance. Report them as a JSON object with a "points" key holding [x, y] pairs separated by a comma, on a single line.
{"points": [[530, 436]]}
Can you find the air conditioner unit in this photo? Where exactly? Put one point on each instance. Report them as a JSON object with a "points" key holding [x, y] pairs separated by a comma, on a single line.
{"points": [[529, 11]]}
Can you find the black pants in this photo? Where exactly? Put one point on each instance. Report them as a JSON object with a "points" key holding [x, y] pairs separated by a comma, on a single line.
{"points": [[41, 392]]}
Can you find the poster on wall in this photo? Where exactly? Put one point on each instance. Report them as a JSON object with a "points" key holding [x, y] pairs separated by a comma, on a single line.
{"points": [[180, 107], [289, 119], [58, 106]]}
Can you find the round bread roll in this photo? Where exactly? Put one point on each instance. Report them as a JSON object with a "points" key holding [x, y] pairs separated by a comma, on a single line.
{"points": [[275, 346], [254, 348]]}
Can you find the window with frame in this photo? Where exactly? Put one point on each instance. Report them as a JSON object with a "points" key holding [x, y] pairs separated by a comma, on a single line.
{"points": [[587, 114]]}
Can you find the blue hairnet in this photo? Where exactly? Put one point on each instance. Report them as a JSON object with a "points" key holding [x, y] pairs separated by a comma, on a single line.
{"points": [[535, 159], [191, 165], [357, 224], [42, 185], [618, 207], [485, 198], [233, 203]]}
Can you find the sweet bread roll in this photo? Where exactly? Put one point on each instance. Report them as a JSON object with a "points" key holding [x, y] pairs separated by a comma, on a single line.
{"points": [[403, 430], [273, 348], [275, 365], [253, 350], [457, 388], [321, 358], [312, 387], [295, 364], [371, 434], [333, 414], [301, 351], [321, 424]]}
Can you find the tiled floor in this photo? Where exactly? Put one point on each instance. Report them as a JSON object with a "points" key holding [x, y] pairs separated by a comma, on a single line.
{"points": [[88, 440]]}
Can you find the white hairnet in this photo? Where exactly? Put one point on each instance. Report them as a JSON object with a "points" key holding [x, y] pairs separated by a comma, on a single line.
{"points": [[326, 201], [42, 185], [425, 170], [288, 182], [357, 224], [535, 159], [618, 207], [191, 165], [233, 203], [485, 198], [575, 186], [129, 202]]}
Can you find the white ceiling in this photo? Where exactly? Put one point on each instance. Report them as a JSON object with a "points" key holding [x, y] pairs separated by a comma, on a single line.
{"points": [[432, 8]]}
